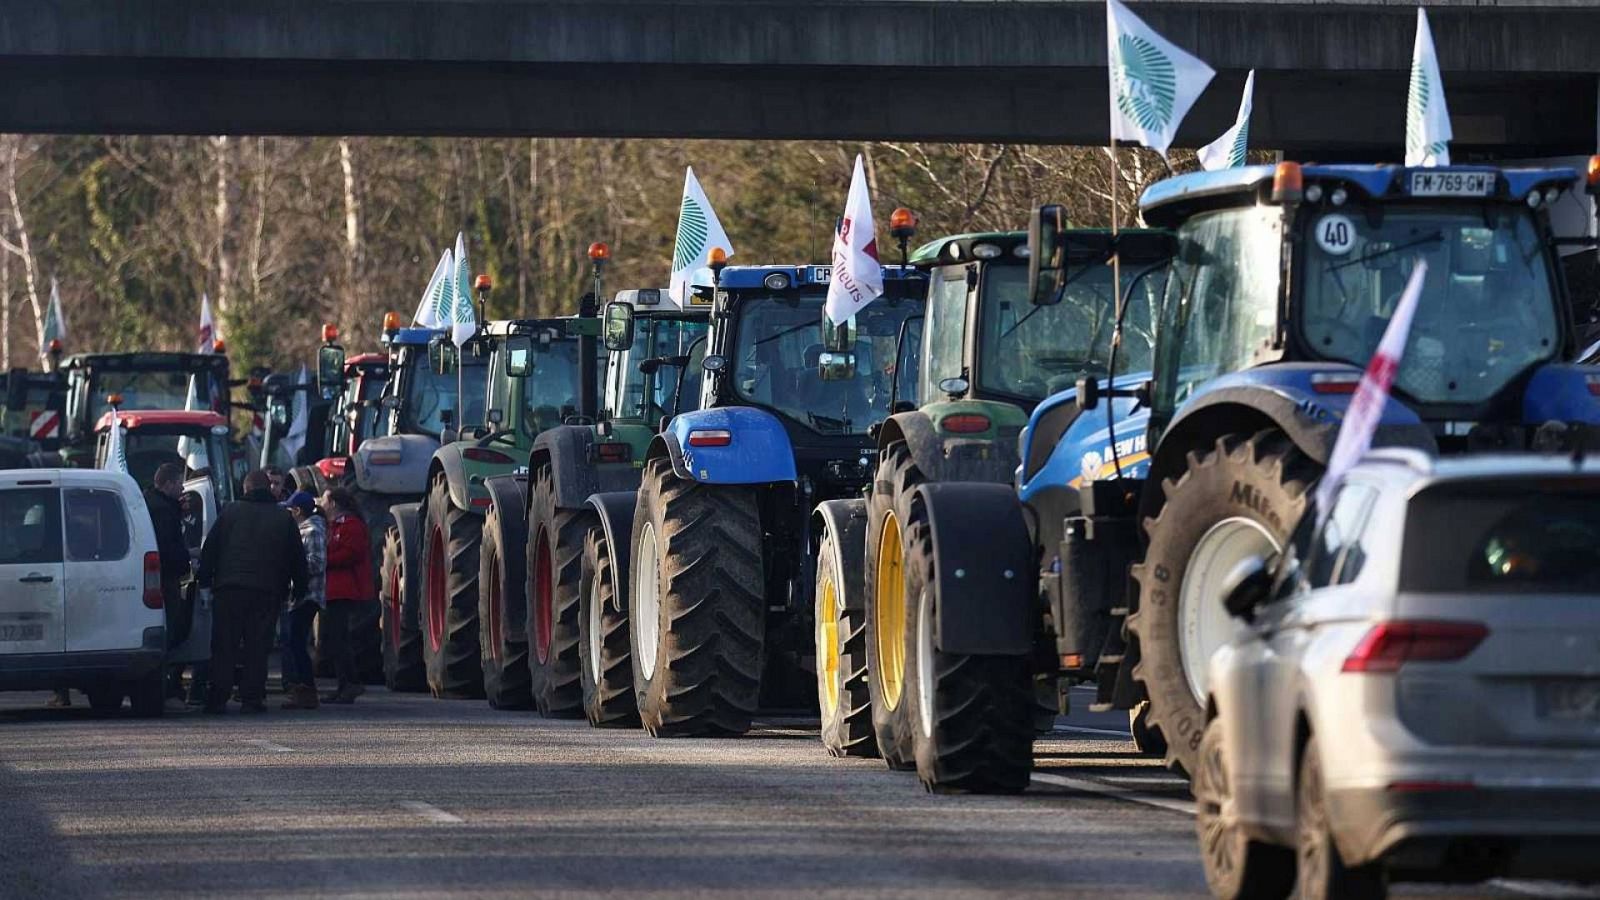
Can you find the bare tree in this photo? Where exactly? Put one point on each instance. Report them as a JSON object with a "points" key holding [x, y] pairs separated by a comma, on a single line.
{"points": [[11, 147]]}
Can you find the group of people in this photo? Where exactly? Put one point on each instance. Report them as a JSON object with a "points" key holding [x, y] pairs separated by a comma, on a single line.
{"points": [[275, 562]]}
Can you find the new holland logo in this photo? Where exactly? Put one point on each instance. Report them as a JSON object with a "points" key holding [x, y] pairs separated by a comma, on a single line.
{"points": [[692, 232], [1146, 83]]}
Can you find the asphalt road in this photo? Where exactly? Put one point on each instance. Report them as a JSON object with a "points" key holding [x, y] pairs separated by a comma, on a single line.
{"points": [[401, 795]]}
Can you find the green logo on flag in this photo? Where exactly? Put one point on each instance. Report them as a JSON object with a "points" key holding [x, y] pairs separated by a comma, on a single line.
{"points": [[1241, 141], [1147, 83], [692, 232], [442, 300], [1418, 98]]}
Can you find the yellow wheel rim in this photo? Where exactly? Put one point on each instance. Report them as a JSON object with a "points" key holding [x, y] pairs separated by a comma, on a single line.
{"points": [[828, 645], [889, 613]]}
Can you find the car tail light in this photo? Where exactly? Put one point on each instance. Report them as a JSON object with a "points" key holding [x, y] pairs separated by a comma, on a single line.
{"points": [[1594, 384], [965, 423], [613, 453], [1389, 645], [152, 581], [1335, 382], [480, 454], [710, 437], [384, 457]]}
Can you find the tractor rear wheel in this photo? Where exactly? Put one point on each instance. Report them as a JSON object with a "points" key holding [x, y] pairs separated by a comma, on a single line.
{"points": [[604, 656], [970, 716], [886, 613], [843, 694], [451, 538], [696, 616], [1239, 498], [403, 669], [555, 560], [502, 611]]}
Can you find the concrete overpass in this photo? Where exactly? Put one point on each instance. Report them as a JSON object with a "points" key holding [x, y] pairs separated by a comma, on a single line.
{"points": [[1521, 77]]}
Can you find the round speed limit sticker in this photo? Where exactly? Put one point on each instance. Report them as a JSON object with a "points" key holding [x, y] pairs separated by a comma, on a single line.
{"points": [[1336, 234]]}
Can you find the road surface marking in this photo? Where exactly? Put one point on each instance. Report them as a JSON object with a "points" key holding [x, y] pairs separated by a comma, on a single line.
{"points": [[1084, 729], [1111, 790], [269, 746], [432, 813]]}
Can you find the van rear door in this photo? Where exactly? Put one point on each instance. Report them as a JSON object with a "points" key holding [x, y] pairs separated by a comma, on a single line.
{"points": [[30, 567], [105, 567]]}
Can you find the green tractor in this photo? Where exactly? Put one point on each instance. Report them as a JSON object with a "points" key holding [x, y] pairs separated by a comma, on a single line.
{"points": [[541, 373], [573, 471], [981, 360]]}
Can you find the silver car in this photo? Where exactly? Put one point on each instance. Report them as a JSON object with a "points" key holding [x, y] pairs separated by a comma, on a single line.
{"points": [[1415, 693]]}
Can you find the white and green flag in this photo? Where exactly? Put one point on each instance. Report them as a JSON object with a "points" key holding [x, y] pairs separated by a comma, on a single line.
{"points": [[1427, 119], [116, 454], [433, 311], [1153, 81], [463, 316], [698, 232], [55, 322], [1228, 151]]}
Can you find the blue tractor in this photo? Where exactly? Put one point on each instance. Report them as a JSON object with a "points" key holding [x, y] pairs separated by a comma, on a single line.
{"points": [[717, 549], [1280, 283]]}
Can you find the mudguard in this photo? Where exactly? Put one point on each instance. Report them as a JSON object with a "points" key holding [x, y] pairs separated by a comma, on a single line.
{"points": [[406, 517], [615, 511], [448, 458], [402, 467], [508, 492], [984, 573], [569, 450], [1562, 392], [847, 519], [988, 458], [758, 453]]}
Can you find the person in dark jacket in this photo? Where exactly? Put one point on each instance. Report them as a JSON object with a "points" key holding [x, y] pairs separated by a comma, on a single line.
{"points": [[350, 583], [166, 516], [251, 560]]}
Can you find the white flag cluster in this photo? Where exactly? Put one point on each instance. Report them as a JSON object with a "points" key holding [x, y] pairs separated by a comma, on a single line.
{"points": [[1228, 151], [699, 230], [1153, 81], [116, 454], [206, 334], [1427, 118], [55, 322], [857, 277], [446, 303]]}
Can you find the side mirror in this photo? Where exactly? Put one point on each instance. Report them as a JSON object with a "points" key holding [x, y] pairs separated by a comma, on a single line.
{"points": [[714, 363], [1047, 254], [836, 366], [519, 356], [1088, 393], [442, 356], [618, 326], [838, 338], [1247, 586], [495, 417], [389, 402]]}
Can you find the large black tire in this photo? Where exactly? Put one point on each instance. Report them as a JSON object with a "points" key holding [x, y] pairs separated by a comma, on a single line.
{"points": [[1145, 740], [1322, 873], [1237, 867], [699, 672], [403, 668], [503, 609], [604, 655], [891, 725], [450, 541], [843, 695], [1262, 479], [555, 563], [972, 726]]}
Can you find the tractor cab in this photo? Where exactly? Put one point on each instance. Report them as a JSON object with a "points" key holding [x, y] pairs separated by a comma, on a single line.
{"points": [[33, 407], [655, 348], [420, 396], [197, 440], [534, 377], [146, 381], [354, 416], [295, 421]]}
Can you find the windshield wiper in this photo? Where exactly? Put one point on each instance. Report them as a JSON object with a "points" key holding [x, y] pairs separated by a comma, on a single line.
{"points": [[1433, 238], [821, 422]]}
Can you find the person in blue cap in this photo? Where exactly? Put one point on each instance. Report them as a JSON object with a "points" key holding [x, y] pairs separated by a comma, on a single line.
{"points": [[299, 678]]}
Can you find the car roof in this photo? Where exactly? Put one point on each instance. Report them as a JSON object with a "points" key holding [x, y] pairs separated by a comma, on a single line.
{"points": [[17, 478], [139, 418], [1418, 469]]}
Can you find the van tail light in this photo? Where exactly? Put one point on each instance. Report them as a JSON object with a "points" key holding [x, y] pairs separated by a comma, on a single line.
{"points": [[152, 581], [1389, 645]]}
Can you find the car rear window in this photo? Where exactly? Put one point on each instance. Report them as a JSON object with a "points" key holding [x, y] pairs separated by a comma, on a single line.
{"points": [[30, 526], [1516, 537], [97, 528]]}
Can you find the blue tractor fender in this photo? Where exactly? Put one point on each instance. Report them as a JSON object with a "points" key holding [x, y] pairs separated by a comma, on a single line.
{"points": [[1562, 392], [1064, 445], [614, 509], [757, 448]]}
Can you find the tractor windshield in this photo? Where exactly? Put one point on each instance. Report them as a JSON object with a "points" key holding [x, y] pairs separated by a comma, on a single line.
{"points": [[1031, 352], [151, 389], [430, 393], [550, 391], [648, 399], [201, 453], [1486, 313], [775, 361]]}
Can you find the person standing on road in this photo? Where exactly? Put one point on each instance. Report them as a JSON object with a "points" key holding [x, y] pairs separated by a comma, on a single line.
{"points": [[299, 677], [163, 499], [350, 584], [251, 560]]}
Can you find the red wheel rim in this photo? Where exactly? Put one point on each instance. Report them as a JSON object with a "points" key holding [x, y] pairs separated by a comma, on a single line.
{"points": [[496, 631], [436, 589], [542, 616]]}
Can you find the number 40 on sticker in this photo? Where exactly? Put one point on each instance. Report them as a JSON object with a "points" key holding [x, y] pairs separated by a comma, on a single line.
{"points": [[1335, 234]]}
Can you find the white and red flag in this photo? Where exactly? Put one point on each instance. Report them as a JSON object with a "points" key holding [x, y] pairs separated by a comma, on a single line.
{"points": [[1366, 407], [207, 332], [857, 277]]}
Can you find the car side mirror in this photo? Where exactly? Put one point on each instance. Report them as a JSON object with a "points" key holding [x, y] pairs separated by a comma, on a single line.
{"points": [[1047, 254], [1247, 586], [618, 326]]}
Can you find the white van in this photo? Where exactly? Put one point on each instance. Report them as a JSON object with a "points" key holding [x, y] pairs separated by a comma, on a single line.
{"points": [[80, 588]]}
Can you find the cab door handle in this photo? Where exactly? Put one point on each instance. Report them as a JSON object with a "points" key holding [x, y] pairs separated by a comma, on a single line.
{"points": [[36, 579]]}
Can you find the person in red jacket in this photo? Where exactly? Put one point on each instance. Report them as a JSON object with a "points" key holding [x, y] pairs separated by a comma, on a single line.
{"points": [[350, 583]]}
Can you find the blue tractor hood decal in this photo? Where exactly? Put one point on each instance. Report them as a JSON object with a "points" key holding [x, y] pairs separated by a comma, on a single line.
{"points": [[758, 449]]}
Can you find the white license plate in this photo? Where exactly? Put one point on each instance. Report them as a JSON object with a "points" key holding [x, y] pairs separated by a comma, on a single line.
{"points": [[1577, 700], [19, 633], [821, 274], [1452, 184]]}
